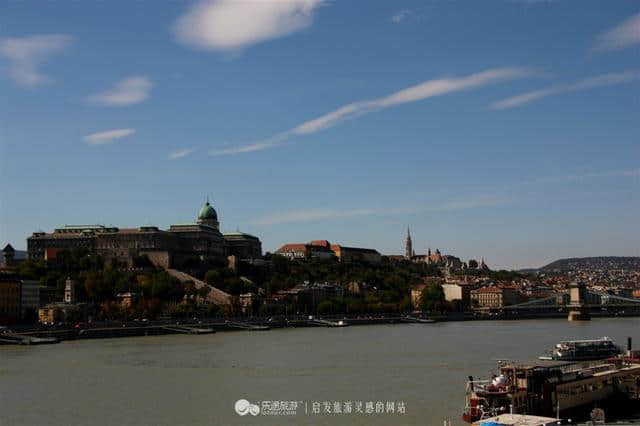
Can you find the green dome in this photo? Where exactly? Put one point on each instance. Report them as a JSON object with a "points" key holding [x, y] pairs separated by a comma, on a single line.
{"points": [[207, 213]]}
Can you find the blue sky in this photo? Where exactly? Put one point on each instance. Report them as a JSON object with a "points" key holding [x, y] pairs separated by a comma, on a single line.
{"points": [[501, 129]]}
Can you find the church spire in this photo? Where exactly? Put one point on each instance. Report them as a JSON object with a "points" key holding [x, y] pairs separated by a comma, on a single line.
{"points": [[408, 246]]}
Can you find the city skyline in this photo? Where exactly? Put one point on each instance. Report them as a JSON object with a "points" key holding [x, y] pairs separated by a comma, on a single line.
{"points": [[509, 137]]}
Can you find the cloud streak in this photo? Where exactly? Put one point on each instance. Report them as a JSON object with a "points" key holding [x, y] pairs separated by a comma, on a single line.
{"points": [[602, 174], [605, 80], [231, 25], [581, 177], [523, 98], [181, 153], [401, 16], [419, 92], [626, 34], [26, 55], [129, 91], [101, 138], [323, 214], [456, 204]]}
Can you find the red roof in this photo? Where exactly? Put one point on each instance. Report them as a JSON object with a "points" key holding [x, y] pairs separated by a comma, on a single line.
{"points": [[320, 243], [292, 247]]}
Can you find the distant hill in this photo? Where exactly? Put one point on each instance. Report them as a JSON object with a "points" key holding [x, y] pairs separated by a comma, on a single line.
{"points": [[601, 262]]}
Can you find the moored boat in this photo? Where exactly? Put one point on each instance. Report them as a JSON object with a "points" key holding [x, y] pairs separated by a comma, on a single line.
{"points": [[550, 388], [581, 350]]}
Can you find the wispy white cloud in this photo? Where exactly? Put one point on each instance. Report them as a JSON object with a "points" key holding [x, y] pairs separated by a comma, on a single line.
{"points": [[624, 35], [472, 202], [101, 138], [129, 91], [580, 177], [603, 174], [323, 214], [181, 153], [524, 98], [533, 2], [311, 215], [232, 24], [258, 146], [401, 16], [604, 80], [500, 198], [419, 92], [26, 54], [610, 79]]}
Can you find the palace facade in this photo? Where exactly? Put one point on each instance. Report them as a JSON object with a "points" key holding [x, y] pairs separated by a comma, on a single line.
{"points": [[164, 248]]}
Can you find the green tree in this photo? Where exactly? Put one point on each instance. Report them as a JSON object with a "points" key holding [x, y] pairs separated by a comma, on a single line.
{"points": [[96, 288], [183, 310], [204, 291], [190, 288], [213, 277], [432, 298], [326, 307], [50, 279], [233, 285], [166, 287], [32, 269]]}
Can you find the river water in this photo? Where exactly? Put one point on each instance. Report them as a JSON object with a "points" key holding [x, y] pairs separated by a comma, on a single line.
{"points": [[184, 379]]}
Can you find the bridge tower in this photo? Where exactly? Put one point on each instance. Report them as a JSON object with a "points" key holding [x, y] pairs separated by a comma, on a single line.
{"points": [[578, 311]]}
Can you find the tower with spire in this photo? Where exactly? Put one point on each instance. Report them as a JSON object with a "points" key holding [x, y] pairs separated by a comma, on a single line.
{"points": [[408, 246]]}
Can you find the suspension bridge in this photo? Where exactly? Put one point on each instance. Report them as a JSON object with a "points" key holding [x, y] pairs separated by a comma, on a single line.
{"points": [[577, 301]]}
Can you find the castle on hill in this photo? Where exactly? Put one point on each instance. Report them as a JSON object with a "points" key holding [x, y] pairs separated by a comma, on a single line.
{"points": [[450, 262]]}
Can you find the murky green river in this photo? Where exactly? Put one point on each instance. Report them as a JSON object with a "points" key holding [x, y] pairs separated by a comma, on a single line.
{"points": [[369, 375]]}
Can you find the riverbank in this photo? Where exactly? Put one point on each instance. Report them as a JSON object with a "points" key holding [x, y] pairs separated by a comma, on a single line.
{"points": [[30, 335], [136, 328]]}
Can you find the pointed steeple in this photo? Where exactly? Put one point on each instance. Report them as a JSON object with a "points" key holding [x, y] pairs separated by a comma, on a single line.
{"points": [[408, 246], [482, 264]]}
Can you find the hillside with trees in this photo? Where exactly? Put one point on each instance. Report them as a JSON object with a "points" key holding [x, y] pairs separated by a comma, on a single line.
{"points": [[383, 286]]}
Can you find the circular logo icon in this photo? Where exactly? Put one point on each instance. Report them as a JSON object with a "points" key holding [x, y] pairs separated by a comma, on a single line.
{"points": [[244, 407], [254, 409]]}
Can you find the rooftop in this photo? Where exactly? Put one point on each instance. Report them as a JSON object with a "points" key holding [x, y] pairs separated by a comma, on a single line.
{"points": [[336, 247], [292, 247], [238, 234]]}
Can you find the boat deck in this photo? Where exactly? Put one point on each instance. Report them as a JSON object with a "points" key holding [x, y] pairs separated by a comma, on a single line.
{"points": [[518, 419]]}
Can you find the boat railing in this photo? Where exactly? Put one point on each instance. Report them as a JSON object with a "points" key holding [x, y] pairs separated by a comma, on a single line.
{"points": [[596, 368], [487, 386], [482, 412]]}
